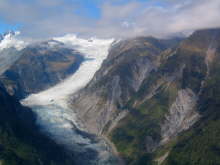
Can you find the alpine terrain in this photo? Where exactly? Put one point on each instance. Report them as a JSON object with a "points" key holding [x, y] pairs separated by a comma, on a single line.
{"points": [[135, 101]]}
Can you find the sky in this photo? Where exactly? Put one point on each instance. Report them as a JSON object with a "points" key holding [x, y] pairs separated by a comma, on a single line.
{"points": [[107, 18]]}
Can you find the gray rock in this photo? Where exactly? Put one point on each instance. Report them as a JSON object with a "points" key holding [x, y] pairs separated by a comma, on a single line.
{"points": [[182, 115]]}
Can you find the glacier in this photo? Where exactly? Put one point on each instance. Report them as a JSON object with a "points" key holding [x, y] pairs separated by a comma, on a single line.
{"points": [[54, 116]]}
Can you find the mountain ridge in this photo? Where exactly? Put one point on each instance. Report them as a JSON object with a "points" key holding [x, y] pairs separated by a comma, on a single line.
{"points": [[172, 89]]}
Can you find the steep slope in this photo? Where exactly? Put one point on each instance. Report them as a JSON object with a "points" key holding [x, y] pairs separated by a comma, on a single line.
{"points": [[167, 102], [148, 93], [200, 145], [39, 66], [20, 140], [129, 62]]}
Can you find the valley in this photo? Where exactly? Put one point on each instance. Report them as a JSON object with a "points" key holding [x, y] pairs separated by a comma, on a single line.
{"points": [[54, 115], [109, 82], [134, 101]]}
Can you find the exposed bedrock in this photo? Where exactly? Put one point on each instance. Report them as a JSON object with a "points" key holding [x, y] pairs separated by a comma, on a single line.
{"points": [[128, 64]]}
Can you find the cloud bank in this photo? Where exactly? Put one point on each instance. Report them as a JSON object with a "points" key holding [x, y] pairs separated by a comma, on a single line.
{"points": [[115, 18]]}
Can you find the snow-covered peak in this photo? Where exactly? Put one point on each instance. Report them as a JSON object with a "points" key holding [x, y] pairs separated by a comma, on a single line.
{"points": [[10, 40], [89, 47]]}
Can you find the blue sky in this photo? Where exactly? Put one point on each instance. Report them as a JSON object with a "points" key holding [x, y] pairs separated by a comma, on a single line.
{"points": [[107, 18], [89, 9], [4, 27], [85, 8]]}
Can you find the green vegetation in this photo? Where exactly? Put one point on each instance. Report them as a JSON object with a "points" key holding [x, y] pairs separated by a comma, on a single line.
{"points": [[185, 68], [201, 144], [143, 121]]}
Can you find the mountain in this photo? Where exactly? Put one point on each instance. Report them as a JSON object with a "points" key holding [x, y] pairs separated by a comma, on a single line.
{"points": [[38, 66], [157, 100], [151, 101], [129, 62], [10, 48], [201, 141], [10, 40], [69, 63], [20, 141]]}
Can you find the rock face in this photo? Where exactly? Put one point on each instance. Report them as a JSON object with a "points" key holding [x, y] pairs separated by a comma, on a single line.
{"points": [[202, 139], [148, 92], [169, 100], [182, 115], [39, 66], [129, 62]]}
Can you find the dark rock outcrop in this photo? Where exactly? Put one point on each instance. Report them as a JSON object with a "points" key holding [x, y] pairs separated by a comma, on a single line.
{"points": [[20, 140]]}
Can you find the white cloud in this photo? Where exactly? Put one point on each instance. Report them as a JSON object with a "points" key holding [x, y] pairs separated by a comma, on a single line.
{"points": [[42, 18], [10, 40]]}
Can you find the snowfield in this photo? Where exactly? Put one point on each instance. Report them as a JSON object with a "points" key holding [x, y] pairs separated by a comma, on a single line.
{"points": [[51, 106]]}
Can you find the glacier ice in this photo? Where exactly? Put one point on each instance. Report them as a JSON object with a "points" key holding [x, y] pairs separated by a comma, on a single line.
{"points": [[51, 106]]}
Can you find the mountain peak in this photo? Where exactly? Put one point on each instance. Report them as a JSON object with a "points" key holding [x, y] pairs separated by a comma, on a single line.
{"points": [[9, 40]]}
